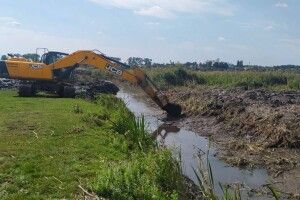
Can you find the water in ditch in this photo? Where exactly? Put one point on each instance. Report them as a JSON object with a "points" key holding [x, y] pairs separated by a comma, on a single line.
{"points": [[190, 145]]}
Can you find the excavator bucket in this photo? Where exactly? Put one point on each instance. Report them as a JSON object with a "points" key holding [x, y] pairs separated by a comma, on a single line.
{"points": [[173, 110]]}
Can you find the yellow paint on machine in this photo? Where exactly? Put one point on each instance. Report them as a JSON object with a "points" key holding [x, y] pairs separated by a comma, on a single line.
{"points": [[29, 70]]}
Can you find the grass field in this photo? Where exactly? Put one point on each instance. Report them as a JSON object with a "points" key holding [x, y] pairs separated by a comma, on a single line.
{"points": [[277, 80], [50, 146]]}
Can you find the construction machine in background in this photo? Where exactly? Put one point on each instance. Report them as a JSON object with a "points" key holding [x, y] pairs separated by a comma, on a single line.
{"points": [[53, 71]]}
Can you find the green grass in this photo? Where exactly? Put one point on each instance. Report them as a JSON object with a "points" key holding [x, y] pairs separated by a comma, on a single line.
{"points": [[50, 146], [277, 80]]}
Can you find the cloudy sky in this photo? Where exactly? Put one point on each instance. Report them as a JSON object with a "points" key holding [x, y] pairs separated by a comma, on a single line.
{"points": [[265, 32]]}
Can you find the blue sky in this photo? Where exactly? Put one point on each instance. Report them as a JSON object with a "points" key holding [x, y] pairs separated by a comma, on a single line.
{"points": [[265, 32]]}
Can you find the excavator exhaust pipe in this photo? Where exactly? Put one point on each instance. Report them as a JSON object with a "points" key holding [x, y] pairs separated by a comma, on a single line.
{"points": [[173, 109]]}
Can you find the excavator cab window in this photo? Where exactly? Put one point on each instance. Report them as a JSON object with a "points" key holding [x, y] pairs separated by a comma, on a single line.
{"points": [[51, 57]]}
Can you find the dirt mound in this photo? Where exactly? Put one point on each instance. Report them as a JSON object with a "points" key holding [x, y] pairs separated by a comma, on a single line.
{"points": [[103, 87], [100, 86], [268, 118], [255, 127], [8, 83], [89, 82]]}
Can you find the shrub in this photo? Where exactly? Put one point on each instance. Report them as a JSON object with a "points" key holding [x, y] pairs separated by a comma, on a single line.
{"points": [[181, 77], [148, 176], [272, 79], [134, 130]]}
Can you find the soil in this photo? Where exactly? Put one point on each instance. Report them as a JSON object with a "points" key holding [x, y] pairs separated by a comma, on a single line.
{"points": [[8, 84], [253, 128], [89, 82]]}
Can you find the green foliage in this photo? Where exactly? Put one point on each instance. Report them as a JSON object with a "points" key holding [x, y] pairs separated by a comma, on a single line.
{"points": [[4, 57], [287, 80], [136, 61], [32, 56], [180, 77], [147, 176]]}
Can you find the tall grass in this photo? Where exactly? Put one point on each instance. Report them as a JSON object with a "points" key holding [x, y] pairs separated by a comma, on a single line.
{"points": [[250, 79], [134, 130], [148, 176], [206, 183]]}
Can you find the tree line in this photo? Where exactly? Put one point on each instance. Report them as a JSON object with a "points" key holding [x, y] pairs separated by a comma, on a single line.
{"points": [[207, 65]]}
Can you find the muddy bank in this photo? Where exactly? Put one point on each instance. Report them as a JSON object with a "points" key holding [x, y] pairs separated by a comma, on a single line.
{"points": [[253, 127]]}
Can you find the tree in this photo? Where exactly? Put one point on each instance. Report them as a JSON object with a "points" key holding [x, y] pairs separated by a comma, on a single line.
{"points": [[147, 62], [135, 61], [116, 58], [221, 65], [32, 56], [209, 64], [240, 64], [4, 57]]}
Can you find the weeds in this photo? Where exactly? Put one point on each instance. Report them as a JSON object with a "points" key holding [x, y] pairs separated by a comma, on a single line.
{"points": [[134, 130], [251, 79], [77, 109], [206, 183], [96, 119], [148, 176], [179, 77]]}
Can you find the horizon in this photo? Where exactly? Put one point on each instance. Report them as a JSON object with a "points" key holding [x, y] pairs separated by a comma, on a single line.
{"points": [[263, 33]]}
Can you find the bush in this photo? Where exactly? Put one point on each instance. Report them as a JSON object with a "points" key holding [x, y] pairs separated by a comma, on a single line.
{"points": [[181, 77], [272, 79], [148, 176], [134, 130]]}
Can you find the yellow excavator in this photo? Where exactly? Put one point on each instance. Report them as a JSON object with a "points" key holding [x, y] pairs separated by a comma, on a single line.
{"points": [[52, 72]]}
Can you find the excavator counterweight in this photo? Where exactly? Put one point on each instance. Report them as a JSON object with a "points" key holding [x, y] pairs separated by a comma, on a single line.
{"points": [[52, 72]]}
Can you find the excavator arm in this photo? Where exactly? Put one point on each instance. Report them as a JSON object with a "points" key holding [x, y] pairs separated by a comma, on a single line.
{"points": [[134, 75]]}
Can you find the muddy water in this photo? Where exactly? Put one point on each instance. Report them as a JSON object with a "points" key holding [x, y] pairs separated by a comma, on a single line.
{"points": [[191, 145]]}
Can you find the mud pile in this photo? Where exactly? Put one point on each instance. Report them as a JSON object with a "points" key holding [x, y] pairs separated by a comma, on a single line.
{"points": [[271, 120], [89, 82], [100, 86], [8, 83], [255, 127]]}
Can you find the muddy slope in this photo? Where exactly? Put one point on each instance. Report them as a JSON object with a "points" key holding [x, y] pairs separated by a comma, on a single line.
{"points": [[254, 127]]}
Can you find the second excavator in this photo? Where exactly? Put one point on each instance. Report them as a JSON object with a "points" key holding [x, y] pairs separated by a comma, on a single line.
{"points": [[52, 72]]}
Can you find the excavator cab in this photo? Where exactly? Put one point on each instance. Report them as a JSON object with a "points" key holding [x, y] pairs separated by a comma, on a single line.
{"points": [[52, 56]]}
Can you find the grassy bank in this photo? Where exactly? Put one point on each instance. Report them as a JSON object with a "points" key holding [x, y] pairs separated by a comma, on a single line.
{"points": [[49, 147], [278, 80]]}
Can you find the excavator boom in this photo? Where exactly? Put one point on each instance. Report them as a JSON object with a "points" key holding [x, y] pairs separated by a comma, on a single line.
{"points": [[56, 67]]}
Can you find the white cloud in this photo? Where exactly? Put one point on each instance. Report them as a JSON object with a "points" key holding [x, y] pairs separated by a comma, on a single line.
{"points": [[19, 40], [160, 38], [281, 5], [9, 22], [154, 11], [291, 41], [167, 8], [153, 23], [221, 39], [269, 28], [261, 25]]}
